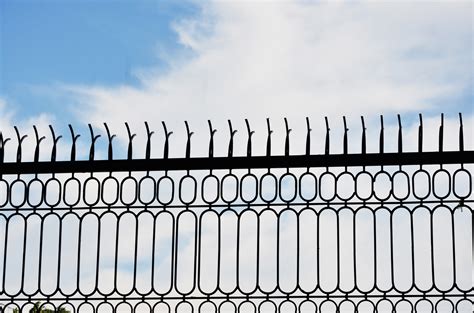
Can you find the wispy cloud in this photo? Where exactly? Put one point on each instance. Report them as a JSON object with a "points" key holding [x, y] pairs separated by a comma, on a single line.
{"points": [[296, 59], [300, 58]]}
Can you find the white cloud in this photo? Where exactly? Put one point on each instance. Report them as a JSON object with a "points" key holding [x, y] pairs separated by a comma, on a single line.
{"points": [[275, 57], [295, 59], [10, 118]]}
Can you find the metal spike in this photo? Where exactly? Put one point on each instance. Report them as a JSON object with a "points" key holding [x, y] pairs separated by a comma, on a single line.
{"points": [[381, 137], [130, 139], [400, 134], [110, 153], [269, 138], [148, 141], [167, 136], [364, 139], [55, 142], [344, 143], [232, 132], [211, 139], [308, 137], [20, 141], [73, 146], [38, 142], [420, 134], [93, 140], [461, 133], [441, 133], [2, 147], [287, 139], [249, 141], [188, 143], [326, 146]]}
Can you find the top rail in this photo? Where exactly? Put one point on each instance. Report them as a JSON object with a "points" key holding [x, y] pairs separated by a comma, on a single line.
{"points": [[254, 162], [230, 161]]}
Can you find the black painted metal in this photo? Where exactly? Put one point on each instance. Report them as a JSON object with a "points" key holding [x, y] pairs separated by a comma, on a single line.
{"points": [[255, 162], [289, 233]]}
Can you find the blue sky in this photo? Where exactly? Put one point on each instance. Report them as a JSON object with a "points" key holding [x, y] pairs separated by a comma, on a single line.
{"points": [[94, 61], [112, 61], [44, 43]]}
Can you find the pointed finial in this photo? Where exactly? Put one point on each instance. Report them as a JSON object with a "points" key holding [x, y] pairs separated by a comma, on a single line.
{"points": [[287, 139], [188, 143], [381, 137], [400, 134], [269, 138], [130, 139], [232, 132], [461, 133], [38, 142], [364, 139], [441, 133], [93, 140], [211, 139], [345, 135], [74, 139], [148, 141], [55, 142], [326, 146], [2, 147], [308, 137], [110, 137], [20, 141], [420, 134], [167, 136], [249, 141]]}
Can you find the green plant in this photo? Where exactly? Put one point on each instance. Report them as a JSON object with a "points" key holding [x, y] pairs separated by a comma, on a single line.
{"points": [[37, 309]]}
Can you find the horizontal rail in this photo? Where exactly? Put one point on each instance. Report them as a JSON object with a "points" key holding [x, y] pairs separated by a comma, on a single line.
{"points": [[315, 205], [254, 162], [465, 295]]}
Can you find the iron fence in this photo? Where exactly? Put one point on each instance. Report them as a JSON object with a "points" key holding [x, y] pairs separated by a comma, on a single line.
{"points": [[366, 232]]}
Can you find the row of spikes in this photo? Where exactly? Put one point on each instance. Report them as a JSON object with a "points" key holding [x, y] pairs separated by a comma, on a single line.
{"points": [[212, 131]]}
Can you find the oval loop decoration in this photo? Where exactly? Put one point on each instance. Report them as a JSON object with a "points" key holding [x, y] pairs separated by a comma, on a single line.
{"points": [[241, 229]]}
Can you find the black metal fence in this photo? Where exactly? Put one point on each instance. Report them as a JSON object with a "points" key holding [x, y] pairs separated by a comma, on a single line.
{"points": [[368, 232]]}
